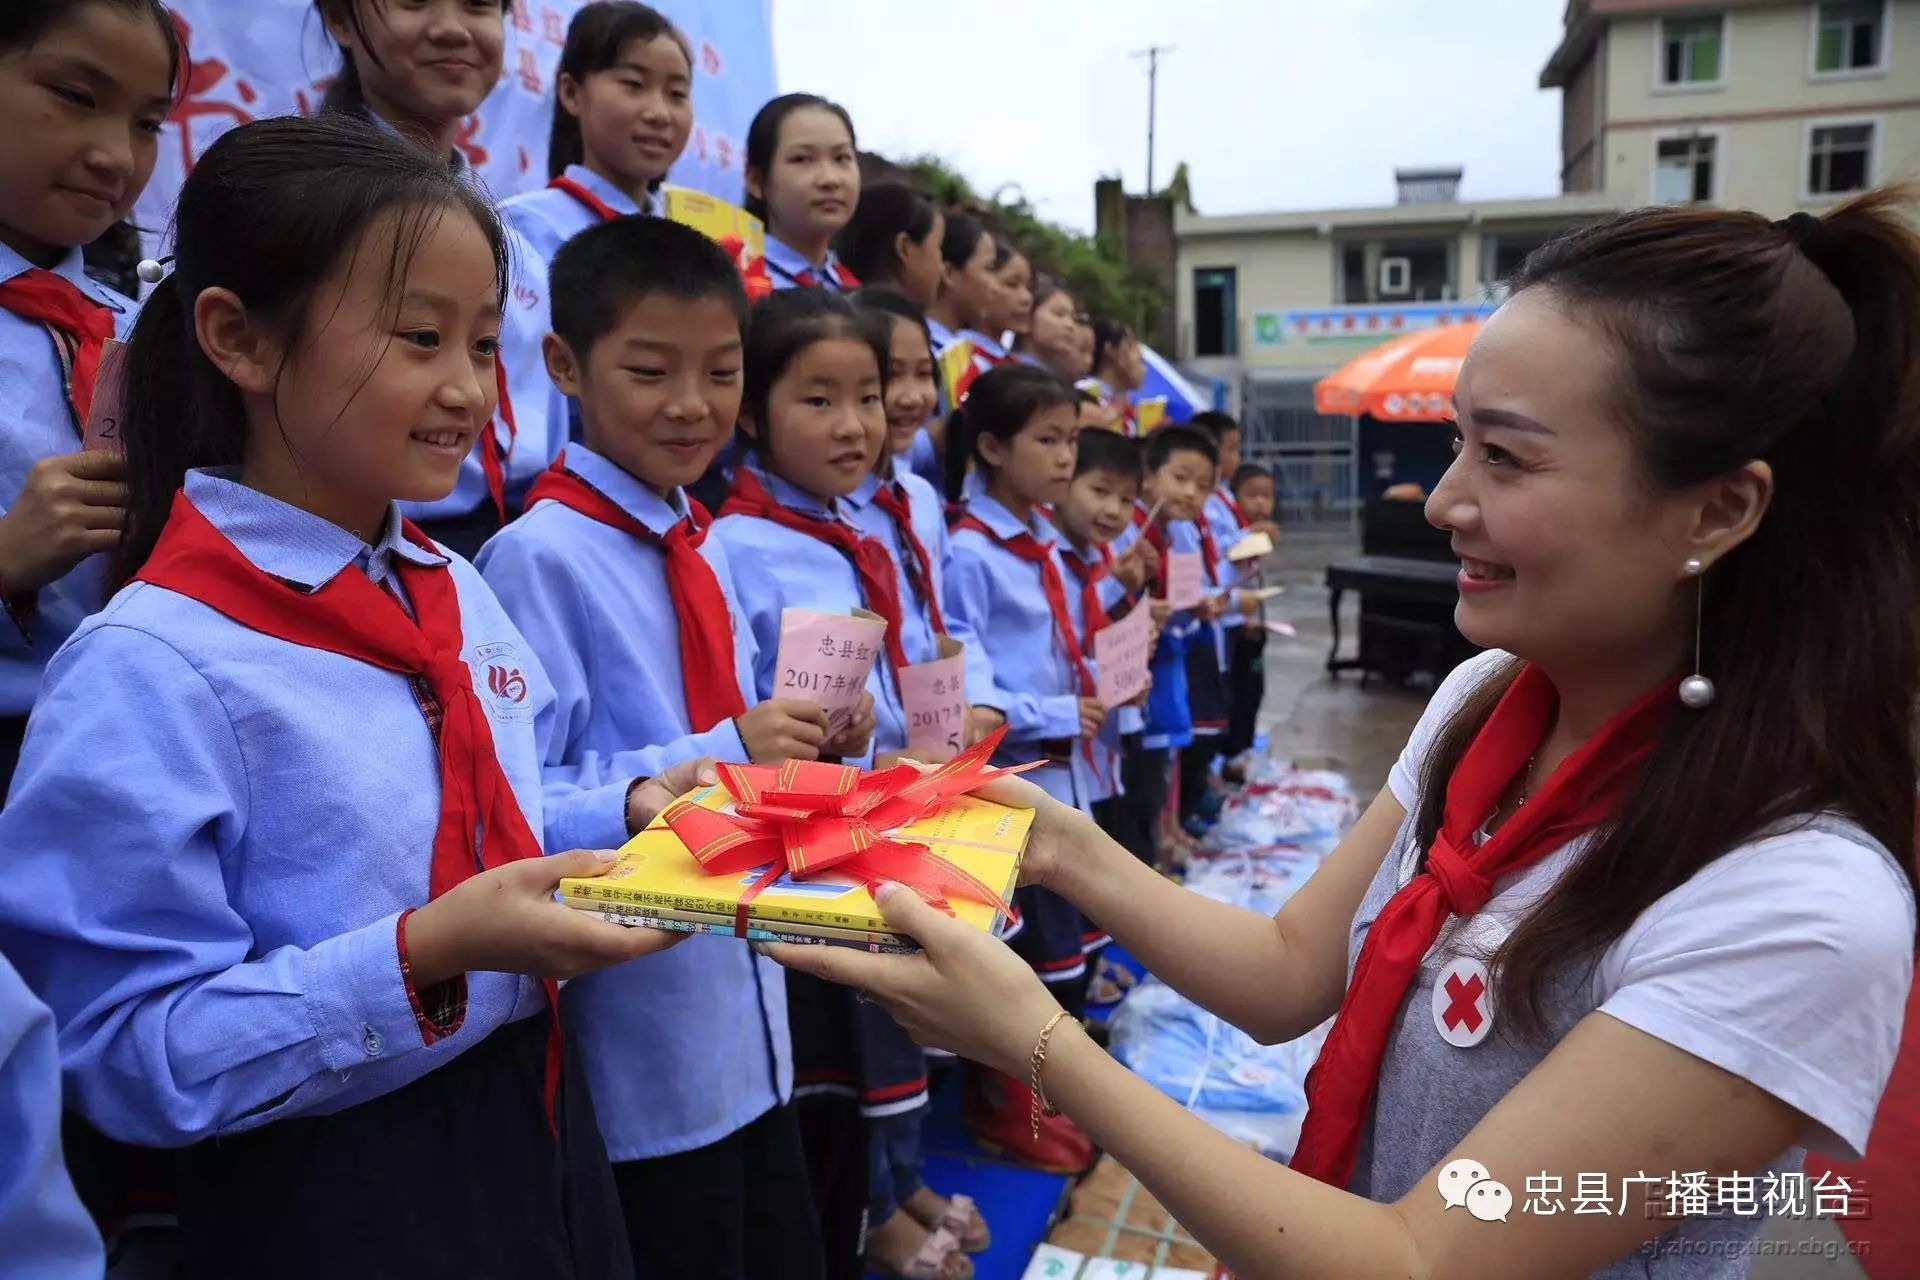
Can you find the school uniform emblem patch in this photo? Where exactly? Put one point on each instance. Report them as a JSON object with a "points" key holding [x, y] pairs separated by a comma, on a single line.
{"points": [[501, 682]]}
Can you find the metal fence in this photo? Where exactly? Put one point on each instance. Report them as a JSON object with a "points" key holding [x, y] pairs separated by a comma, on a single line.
{"points": [[1313, 456]]}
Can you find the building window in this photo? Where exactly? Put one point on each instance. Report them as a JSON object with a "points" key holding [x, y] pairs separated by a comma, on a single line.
{"points": [[1839, 159], [1692, 50], [1216, 319], [1353, 275], [1683, 169], [1502, 256], [1849, 36]]}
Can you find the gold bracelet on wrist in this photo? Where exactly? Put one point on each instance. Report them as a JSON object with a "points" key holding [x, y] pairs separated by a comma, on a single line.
{"points": [[1040, 1106]]}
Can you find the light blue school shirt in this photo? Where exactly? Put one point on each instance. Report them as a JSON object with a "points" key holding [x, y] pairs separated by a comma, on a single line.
{"points": [[943, 337], [786, 265], [776, 568], [48, 1235], [1226, 531], [923, 460], [212, 834], [1104, 780], [548, 217], [917, 636], [38, 423], [688, 1046], [996, 600]]}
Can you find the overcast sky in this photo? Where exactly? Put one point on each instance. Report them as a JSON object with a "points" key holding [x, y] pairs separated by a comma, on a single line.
{"points": [[1273, 104]]}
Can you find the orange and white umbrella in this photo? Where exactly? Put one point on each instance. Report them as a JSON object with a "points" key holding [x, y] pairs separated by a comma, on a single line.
{"points": [[1409, 379]]}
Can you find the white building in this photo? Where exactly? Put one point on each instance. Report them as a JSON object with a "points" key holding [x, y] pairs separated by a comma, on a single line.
{"points": [[1755, 104]]}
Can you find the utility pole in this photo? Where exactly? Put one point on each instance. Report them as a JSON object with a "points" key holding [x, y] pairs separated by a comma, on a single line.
{"points": [[1152, 55]]}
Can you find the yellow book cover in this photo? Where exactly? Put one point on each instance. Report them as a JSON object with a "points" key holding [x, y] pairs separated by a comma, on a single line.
{"points": [[716, 219], [656, 870], [1149, 413], [955, 361]]}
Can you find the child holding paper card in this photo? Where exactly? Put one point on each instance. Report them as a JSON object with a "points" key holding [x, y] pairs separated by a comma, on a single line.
{"points": [[1007, 596], [814, 416], [1207, 659], [627, 602], [803, 181], [273, 937], [902, 511], [622, 112], [1246, 646], [62, 505], [1095, 511], [1179, 471]]}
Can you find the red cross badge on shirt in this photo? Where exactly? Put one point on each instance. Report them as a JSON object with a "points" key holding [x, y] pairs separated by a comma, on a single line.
{"points": [[1463, 1003]]}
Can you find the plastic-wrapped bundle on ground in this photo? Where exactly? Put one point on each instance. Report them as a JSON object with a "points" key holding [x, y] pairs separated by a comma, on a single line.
{"points": [[1252, 1092], [1271, 838], [1282, 805]]}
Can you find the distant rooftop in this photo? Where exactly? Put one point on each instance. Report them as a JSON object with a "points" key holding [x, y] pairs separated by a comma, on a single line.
{"points": [[1428, 186]]}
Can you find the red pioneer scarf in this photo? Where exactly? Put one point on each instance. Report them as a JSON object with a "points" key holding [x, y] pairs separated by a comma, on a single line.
{"points": [[1457, 881], [706, 624], [1089, 576], [871, 561], [606, 212], [895, 501], [807, 278], [1233, 505], [481, 825], [493, 459], [73, 318], [1034, 552]]}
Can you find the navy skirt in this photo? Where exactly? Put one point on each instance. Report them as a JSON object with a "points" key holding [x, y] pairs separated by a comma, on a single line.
{"points": [[457, 1174]]}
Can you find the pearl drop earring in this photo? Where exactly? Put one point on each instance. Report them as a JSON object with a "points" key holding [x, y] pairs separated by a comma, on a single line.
{"points": [[1696, 691]]}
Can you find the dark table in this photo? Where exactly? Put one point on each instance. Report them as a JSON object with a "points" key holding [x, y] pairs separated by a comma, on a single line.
{"points": [[1398, 578]]}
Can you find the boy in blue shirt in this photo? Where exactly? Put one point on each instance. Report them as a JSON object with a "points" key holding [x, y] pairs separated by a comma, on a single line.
{"points": [[630, 606], [1179, 473]]}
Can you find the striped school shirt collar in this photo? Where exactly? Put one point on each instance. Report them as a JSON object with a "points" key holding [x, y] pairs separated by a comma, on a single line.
{"points": [[292, 544]]}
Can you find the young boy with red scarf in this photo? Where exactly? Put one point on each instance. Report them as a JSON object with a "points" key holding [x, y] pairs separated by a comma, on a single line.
{"points": [[614, 581]]}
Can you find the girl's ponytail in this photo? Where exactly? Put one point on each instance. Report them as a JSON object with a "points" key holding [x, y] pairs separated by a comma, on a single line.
{"points": [[961, 432], [181, 413], [1873, 258]]}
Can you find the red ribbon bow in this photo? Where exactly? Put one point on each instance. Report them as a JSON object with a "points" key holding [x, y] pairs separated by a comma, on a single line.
{"points": [[805, 817]]}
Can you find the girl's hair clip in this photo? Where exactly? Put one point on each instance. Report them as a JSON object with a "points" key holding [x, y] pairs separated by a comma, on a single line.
{"points": [[151, 270]]}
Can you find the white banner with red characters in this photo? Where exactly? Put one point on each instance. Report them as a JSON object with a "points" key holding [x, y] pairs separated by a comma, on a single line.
{"points": [[254, 58]]}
